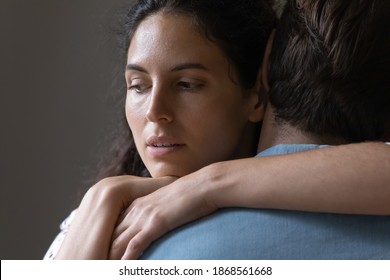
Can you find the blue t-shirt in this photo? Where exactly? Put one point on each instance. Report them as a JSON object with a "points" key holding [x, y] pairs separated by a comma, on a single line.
{"points": [[241, 233]]}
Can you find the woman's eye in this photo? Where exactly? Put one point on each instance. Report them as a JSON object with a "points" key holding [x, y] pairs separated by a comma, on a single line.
{"points": [[189, 85], [138, 88]]}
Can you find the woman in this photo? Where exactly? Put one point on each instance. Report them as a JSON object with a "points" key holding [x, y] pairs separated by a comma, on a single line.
{"points": [[168, 78], [170, 84]]}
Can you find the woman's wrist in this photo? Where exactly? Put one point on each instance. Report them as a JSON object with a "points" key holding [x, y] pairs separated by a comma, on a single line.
{"points": [[217, 183]]}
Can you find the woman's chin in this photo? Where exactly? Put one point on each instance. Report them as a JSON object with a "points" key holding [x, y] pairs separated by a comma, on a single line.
{"points": [[169, 170]]}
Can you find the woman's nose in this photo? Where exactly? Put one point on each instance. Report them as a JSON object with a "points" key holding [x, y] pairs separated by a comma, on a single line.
{"points": [[160, 106]]}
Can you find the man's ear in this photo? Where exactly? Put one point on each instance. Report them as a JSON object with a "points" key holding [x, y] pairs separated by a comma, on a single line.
{"points": [[259, 99], [266, 64], [260, 95], [257, 109]]}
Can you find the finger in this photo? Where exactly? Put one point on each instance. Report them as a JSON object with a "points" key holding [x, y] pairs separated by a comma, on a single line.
{"points": [[120, 243], [123, 224], [144, 238], [137, 246], [120, 227], [124, 213]]}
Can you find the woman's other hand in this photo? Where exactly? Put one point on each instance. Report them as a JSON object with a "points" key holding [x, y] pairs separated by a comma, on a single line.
{"points": [[151, 216]]}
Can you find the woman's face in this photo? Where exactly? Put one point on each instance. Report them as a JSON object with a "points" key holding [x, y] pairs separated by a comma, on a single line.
{"points": [[183, 105]]}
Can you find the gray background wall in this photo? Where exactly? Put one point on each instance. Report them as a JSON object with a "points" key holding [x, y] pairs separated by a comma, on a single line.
{"points": [[57, 64]]}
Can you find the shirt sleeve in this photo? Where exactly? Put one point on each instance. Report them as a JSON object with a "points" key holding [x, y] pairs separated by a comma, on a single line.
{"points": [[56, 244]]}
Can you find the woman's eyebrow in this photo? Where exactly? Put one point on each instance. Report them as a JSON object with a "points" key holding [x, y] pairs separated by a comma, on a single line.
{"points": [[136, 68], [178, 67], [185, 66]]}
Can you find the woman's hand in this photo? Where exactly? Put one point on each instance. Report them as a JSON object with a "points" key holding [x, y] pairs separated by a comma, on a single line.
{"points": [[151, 216], [89, 236]]}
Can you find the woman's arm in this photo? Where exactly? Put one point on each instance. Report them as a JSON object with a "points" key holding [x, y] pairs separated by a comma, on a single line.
{"points": [[90, 233], [347, 179]]}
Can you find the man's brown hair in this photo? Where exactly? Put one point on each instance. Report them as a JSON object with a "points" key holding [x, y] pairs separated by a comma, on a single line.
{"points": [[330, 70]]}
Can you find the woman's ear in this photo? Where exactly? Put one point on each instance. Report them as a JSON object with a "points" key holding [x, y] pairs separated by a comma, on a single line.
{"points": [[260, 94]]}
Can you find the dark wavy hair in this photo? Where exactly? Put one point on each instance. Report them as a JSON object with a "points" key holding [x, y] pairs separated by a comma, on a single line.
{"points": [[330, 68], [240, 28]]}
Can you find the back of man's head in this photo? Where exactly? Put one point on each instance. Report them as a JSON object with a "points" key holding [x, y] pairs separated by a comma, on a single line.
{"points": [[330, 68]]}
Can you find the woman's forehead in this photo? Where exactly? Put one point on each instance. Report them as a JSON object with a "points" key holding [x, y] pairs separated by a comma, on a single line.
{"points": [[173, 39]]}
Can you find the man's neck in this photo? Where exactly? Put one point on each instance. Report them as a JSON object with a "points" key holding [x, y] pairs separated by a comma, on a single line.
{"points": [[274, 133]]}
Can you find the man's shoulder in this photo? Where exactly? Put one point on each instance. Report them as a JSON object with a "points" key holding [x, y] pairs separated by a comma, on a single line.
{"points": [[282, 149]]}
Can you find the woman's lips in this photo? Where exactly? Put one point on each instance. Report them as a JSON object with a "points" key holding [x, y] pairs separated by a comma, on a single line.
{"points": [[162, 145], [164, 150]]}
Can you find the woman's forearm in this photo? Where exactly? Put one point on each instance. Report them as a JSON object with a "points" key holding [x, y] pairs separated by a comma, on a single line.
{"points": [[351, 178], [90, 233]]}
